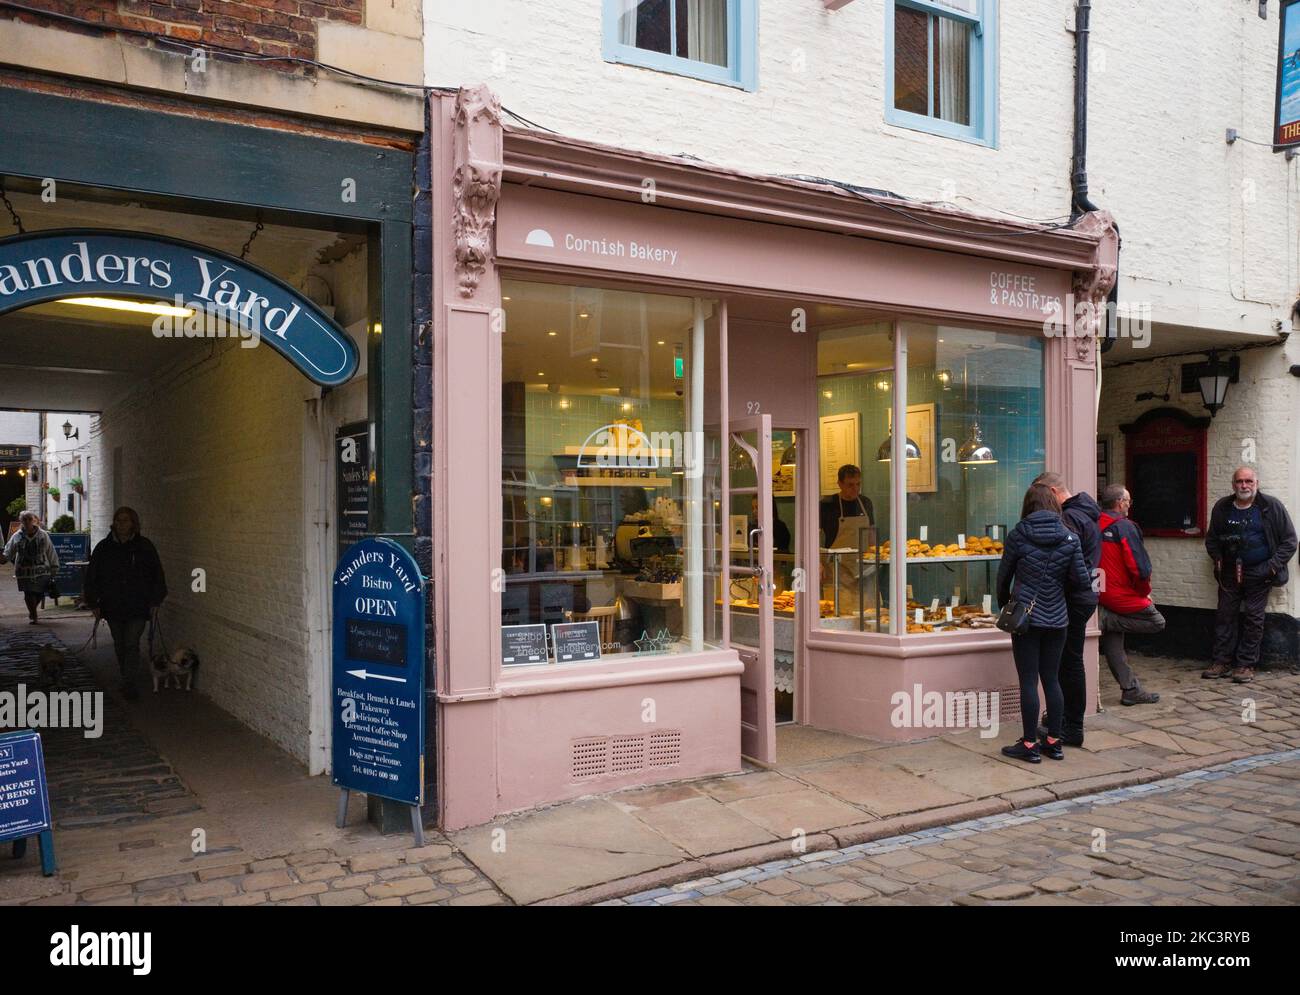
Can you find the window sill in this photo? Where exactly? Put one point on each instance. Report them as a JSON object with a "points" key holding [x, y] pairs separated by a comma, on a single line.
{"points": [[558, 678], [683, 72], [939, 129]]}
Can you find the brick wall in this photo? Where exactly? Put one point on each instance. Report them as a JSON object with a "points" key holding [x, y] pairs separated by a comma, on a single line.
{"points": [[261, 27], [212, 458]]}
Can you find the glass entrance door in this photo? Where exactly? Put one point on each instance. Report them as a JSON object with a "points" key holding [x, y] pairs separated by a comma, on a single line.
{"points": [[748, 579]]}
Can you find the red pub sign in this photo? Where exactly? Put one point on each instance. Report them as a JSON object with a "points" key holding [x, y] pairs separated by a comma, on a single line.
{"points": [[1164, 453]]}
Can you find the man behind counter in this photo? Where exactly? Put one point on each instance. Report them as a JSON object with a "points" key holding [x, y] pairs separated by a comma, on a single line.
{"points": [[848, 503]]}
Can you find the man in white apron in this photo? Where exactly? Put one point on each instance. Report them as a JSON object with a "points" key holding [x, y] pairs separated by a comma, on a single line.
{"points": [[842, 517]]}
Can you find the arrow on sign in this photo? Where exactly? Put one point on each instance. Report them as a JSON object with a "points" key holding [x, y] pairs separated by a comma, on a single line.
{"points": [[379, 677]]}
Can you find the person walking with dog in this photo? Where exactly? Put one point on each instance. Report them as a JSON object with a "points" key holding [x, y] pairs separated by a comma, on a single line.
{"points": [[1042, 564], [35, 561], [125, 586], [1126, 604], [1251, 540]]}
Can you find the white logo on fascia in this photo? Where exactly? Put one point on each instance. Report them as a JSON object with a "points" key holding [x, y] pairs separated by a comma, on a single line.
{"points": [[540, 236], [95, 949]]}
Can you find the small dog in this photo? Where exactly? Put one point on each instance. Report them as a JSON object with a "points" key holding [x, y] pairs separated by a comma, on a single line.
{"points": [[181, 663], [52, 662]]}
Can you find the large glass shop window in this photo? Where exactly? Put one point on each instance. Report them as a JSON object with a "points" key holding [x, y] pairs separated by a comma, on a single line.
{"points": [[974, 440], [855, 380], [609, 477], [975, 427]]}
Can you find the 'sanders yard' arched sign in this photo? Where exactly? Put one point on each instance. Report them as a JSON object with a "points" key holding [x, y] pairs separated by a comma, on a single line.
{"points": [[250, 303]]}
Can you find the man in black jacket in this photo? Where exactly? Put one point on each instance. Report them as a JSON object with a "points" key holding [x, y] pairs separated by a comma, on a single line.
{"points": [[1250, 540], [1080, 513], [125, 586]]}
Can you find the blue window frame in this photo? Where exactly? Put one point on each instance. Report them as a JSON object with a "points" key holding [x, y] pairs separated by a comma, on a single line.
{"points": [[941, 67], [685, 37]]}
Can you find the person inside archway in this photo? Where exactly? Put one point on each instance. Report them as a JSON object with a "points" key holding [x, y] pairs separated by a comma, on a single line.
{"points": [[125, 586], [35, 561]]}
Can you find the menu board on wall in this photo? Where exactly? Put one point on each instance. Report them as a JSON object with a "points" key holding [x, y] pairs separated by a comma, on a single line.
{"points": [[352, 482], [839, 440], [1165, 457]]}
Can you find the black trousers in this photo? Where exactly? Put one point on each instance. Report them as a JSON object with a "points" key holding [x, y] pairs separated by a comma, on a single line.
{"points": [[32, 599], [1237, 639], [1038, 657], [126, 645], [1074, 683]]}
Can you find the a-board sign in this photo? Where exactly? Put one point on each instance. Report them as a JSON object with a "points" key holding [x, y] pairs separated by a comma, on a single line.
{"points": [[575, 641], [73, 549], [523, 644], [24, 801], [378, 672], [352, 484]]}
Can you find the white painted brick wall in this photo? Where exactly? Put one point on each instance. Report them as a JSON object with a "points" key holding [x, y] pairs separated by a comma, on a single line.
{"points": [[212, 460], [1207, 227]]}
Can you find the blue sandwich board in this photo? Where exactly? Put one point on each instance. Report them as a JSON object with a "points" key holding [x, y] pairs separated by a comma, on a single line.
{"points": [[378, 683], [73, 549], [24, 801]]}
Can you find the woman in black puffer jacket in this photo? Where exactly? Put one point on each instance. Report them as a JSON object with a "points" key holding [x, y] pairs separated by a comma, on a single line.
{"points": [[1045, 560]]}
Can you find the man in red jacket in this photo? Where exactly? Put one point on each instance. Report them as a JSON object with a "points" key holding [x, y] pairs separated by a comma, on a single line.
{"points": [[1126, 604]]}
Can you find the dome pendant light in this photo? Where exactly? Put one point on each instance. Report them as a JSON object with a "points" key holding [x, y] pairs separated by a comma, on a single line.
{"points": [[911, 450], [974, 451]]}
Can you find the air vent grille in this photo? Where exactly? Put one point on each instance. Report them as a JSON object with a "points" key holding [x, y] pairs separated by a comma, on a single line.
{"points": [[598, 756], [665, 748]]}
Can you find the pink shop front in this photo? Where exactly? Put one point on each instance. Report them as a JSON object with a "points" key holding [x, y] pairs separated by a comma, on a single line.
{"points": [[649, 375]]}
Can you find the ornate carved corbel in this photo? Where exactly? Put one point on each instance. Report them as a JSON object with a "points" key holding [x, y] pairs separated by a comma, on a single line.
{"points": [[476, 183], [1092, 286]]}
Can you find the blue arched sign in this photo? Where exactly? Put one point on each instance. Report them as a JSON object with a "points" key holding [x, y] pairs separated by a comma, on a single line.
{"points": [[226, 297]]}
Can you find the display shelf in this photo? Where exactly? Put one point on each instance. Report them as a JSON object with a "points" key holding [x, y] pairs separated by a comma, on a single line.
{"points": [[629, 453], [621, 482], [982, 557]]}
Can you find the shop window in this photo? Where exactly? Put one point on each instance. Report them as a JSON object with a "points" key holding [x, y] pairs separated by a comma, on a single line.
{"points": [[714, 40], [609, 474], [941, 67], [975, 412], [974, 439], [855, 383]]}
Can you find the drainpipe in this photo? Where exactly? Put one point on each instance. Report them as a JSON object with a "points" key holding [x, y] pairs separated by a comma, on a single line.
{"points": [[1079, 200]]}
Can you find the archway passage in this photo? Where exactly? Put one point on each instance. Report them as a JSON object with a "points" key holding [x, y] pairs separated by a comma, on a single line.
{"points": [[224, 450]]}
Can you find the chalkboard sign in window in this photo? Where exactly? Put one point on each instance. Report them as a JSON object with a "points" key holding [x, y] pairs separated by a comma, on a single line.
{"points": [[1165, 460]]}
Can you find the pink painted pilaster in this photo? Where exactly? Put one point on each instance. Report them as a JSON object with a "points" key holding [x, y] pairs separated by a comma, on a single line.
{"points": [[467, 153]]}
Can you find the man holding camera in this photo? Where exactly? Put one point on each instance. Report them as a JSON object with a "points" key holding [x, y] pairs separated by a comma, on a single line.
{"points": [[1250, 540]]}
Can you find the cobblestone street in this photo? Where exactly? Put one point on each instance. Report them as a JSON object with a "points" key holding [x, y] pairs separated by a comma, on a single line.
{"points": [[1229, 836]]}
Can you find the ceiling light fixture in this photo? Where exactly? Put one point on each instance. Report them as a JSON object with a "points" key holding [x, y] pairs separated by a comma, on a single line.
{"points": [[121, 304]]}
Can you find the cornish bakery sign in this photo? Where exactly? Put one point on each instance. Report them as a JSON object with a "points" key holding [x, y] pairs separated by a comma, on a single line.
{"points": [[213, 294]]}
